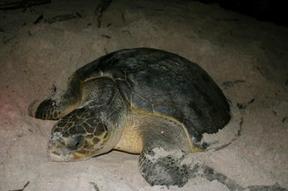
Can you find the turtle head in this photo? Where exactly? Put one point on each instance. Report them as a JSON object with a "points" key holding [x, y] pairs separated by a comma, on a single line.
{"points": [[72, 142]]}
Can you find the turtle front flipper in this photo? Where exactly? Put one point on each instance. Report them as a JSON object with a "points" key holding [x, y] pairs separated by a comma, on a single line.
{"points": [[164, 168], [54, 109], [165, 143]]}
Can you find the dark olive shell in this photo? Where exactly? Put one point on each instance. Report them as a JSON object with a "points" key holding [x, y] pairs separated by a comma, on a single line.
{"points": [[159, 81]]}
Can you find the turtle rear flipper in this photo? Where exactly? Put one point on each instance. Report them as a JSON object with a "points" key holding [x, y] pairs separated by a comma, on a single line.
{"points": [[50, 109]]}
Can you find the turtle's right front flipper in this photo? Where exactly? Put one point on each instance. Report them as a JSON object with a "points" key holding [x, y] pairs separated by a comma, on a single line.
{"points": [[165, 141], [52, 109]]}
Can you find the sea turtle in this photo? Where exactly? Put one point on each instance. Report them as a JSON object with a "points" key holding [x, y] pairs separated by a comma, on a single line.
{"points": [[142, 100]]}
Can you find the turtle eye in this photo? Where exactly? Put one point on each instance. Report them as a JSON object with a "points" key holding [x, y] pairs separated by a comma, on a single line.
{"points": [[75, 142]]}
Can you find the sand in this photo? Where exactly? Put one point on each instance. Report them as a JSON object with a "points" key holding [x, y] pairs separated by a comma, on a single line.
{"points": [[247, 58]]}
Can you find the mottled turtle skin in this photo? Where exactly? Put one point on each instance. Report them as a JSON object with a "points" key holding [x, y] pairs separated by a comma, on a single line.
{"points": [[140, 100]]}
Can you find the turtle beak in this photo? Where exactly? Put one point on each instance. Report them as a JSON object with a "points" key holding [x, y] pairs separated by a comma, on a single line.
{"points": [[63, 154], [79, 156], [58, 154], [57, 151]]}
